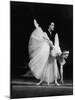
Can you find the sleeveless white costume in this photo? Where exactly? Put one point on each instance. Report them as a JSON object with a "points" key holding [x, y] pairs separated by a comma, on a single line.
{"points": [[43, 63]]}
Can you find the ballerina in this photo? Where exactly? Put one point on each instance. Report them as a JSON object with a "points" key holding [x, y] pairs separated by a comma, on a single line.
{"points": [[62, 60], [43, 53]]}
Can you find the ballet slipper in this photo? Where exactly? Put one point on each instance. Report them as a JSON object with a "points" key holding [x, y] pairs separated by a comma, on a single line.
{"points": [[39, 83], [61, 81], [57, 83]]}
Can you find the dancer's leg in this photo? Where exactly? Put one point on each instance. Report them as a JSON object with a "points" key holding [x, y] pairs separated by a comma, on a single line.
{"points": [[61, 72], [55, 72], [48, 83], [57, 83]]}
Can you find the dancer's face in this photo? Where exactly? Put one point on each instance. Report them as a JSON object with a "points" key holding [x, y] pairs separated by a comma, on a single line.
{"points": [[52, 26]]}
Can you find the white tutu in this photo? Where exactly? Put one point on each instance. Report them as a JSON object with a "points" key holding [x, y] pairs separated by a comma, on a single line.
{"points": [[43, 63]]}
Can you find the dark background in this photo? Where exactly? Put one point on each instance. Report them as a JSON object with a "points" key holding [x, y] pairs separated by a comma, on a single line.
{"points": [[22, 15]]}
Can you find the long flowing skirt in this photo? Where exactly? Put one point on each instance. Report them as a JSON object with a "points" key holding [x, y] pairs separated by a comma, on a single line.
{"points": [[42, 64]]}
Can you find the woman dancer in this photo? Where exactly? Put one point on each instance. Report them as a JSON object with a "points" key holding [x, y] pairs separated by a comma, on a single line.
{"points": [[43, 55]]}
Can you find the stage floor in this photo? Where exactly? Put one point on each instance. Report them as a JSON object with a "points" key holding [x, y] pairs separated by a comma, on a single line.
{"points": [[28, 89]]}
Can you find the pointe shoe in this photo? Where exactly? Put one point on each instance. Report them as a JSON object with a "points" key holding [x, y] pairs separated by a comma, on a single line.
{"points": [[61, 81], [38, 83], [57, 83]]}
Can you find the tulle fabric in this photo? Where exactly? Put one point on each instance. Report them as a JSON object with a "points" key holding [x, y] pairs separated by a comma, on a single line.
{"points": [[43, 63]]}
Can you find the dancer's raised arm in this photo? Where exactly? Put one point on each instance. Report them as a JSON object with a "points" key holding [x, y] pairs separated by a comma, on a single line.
{"points": [[36, 24]]}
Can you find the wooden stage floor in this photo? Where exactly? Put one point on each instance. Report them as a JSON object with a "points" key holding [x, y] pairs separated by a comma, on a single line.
{"points": [[28, 89]]}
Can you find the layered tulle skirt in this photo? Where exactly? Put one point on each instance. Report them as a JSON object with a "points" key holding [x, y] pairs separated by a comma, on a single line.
{"points": [[42, 64]]}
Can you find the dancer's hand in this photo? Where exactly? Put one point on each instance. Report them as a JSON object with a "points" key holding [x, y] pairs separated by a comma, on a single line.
{"points": [[36, 24], [51, 44]]}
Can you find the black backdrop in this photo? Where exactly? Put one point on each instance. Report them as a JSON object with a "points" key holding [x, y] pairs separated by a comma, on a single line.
{"points": [[22, 15]]}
